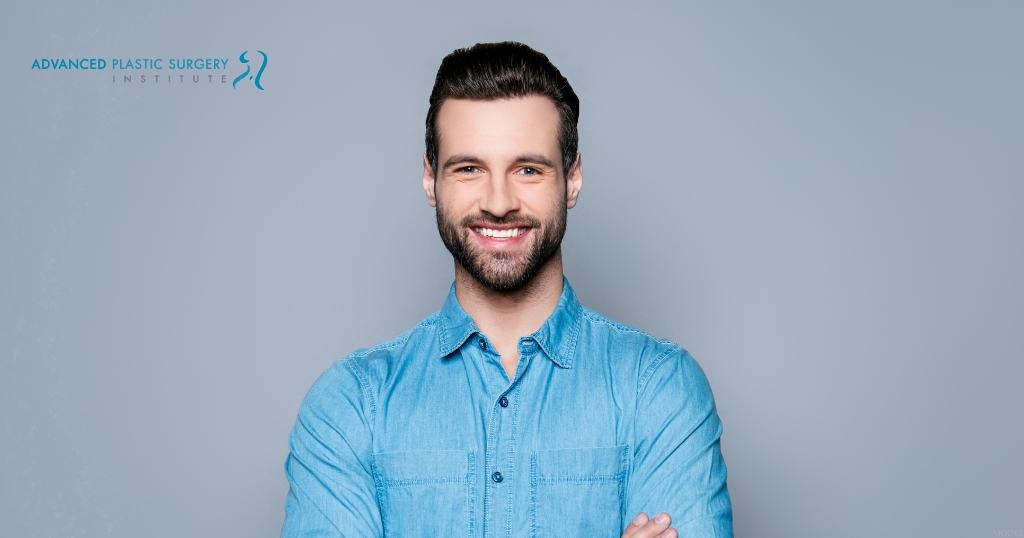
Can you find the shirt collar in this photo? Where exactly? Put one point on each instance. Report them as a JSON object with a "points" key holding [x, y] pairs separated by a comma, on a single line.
{"points": [[557, 336]]}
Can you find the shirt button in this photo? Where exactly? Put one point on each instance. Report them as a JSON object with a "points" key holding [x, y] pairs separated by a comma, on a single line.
{"points": [[483, 345], [497, 477], [503, 402]]}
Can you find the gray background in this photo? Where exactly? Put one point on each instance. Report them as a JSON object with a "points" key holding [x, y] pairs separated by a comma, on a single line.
{"points": [[820, 200]]}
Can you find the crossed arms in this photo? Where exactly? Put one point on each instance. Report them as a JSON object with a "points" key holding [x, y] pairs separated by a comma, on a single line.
{"points": [[676, 467]]}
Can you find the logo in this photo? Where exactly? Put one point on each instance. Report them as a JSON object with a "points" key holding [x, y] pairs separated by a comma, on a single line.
{"points": [[206, 70], [259, 73]]}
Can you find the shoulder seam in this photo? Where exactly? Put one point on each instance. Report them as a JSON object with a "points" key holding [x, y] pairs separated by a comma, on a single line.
{"points": [[646, 375], [351, 362], [364, 384]]}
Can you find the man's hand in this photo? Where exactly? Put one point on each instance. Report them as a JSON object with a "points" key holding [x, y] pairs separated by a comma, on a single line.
{"points": [[641, 527]]}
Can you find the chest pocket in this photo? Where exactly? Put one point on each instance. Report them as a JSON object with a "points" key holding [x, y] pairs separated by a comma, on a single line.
{"points": [[577, 492], [425, 492]]}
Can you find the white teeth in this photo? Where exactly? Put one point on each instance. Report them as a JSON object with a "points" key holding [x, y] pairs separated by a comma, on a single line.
{"points": [[500, 234]]}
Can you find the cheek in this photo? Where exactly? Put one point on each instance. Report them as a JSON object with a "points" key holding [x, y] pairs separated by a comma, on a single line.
{"points": [[545, 203], [457, 196]]}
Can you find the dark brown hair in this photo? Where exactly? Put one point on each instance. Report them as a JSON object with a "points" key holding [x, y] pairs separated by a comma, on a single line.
{"points": [[491, 71]]}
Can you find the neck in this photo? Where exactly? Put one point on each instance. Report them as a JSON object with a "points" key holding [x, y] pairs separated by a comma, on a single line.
{"points": [[505, 316]]}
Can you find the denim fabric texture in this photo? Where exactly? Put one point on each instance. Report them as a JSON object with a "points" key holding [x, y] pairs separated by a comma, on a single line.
{"points": [[424, 435]]}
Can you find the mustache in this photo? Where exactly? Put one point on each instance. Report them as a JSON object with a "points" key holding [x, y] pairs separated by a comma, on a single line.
{"points": [[513, 219]]}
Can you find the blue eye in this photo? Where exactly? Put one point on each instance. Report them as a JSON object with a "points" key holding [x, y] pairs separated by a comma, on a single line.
{"points": [[529, 170]]}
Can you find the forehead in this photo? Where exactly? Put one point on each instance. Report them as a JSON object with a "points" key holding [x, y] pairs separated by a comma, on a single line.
{"points": [[499, 127]]}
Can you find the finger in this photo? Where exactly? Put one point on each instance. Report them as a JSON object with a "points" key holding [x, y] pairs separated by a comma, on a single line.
{"points": [[670, 533], [654, 527], [637, 522]]}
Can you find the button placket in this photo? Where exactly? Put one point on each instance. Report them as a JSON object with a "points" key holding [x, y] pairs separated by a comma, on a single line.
{"points": [[501, 442], [490, 462], [501, 433]]}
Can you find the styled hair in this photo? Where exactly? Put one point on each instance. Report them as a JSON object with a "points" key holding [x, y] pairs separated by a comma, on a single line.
{"points": [[492, 71]]}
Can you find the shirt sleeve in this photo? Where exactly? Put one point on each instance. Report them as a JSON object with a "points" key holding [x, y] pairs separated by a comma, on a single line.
{"points": [[332, 491], [677, 462]]}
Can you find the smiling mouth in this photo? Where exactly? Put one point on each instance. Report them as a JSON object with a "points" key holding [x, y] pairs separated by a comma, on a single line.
{"points": [[501, 234]]}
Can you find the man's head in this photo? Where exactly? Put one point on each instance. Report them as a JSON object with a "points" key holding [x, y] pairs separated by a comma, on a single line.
{"points": [[501, 165], [492, 71]]}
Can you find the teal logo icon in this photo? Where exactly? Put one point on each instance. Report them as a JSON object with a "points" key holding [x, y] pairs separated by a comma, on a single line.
{"points": [[255, 79]]}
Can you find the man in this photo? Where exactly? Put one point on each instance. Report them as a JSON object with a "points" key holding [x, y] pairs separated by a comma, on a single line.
{"points": [[512, 411]]}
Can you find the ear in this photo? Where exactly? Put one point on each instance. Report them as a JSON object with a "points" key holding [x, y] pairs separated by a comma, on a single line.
{"points": [[428, 181], [574, 182]]}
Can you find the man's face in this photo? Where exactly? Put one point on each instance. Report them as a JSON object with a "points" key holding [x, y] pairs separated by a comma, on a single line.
{"points": [[499, 189]]}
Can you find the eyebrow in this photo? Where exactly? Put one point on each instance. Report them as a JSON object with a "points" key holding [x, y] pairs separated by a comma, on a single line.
{"points": [[524, 158], [459, 159], [535, 158]]}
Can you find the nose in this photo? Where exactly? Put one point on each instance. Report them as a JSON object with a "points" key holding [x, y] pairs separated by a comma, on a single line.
{"points": [[499, 197]]}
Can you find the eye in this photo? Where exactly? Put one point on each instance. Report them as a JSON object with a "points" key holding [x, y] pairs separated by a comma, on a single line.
{"points": [[467, 169], [530, 171]]}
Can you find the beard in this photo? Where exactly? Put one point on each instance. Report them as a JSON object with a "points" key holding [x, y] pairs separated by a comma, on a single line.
{"points": [[502, 271]]}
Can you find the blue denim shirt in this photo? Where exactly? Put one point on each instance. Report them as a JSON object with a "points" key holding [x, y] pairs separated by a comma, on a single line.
{"points": [[424, 435]]}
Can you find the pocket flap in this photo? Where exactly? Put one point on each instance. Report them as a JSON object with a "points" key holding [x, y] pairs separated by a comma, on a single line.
{"points": [[421, 467], [599, 463]]}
